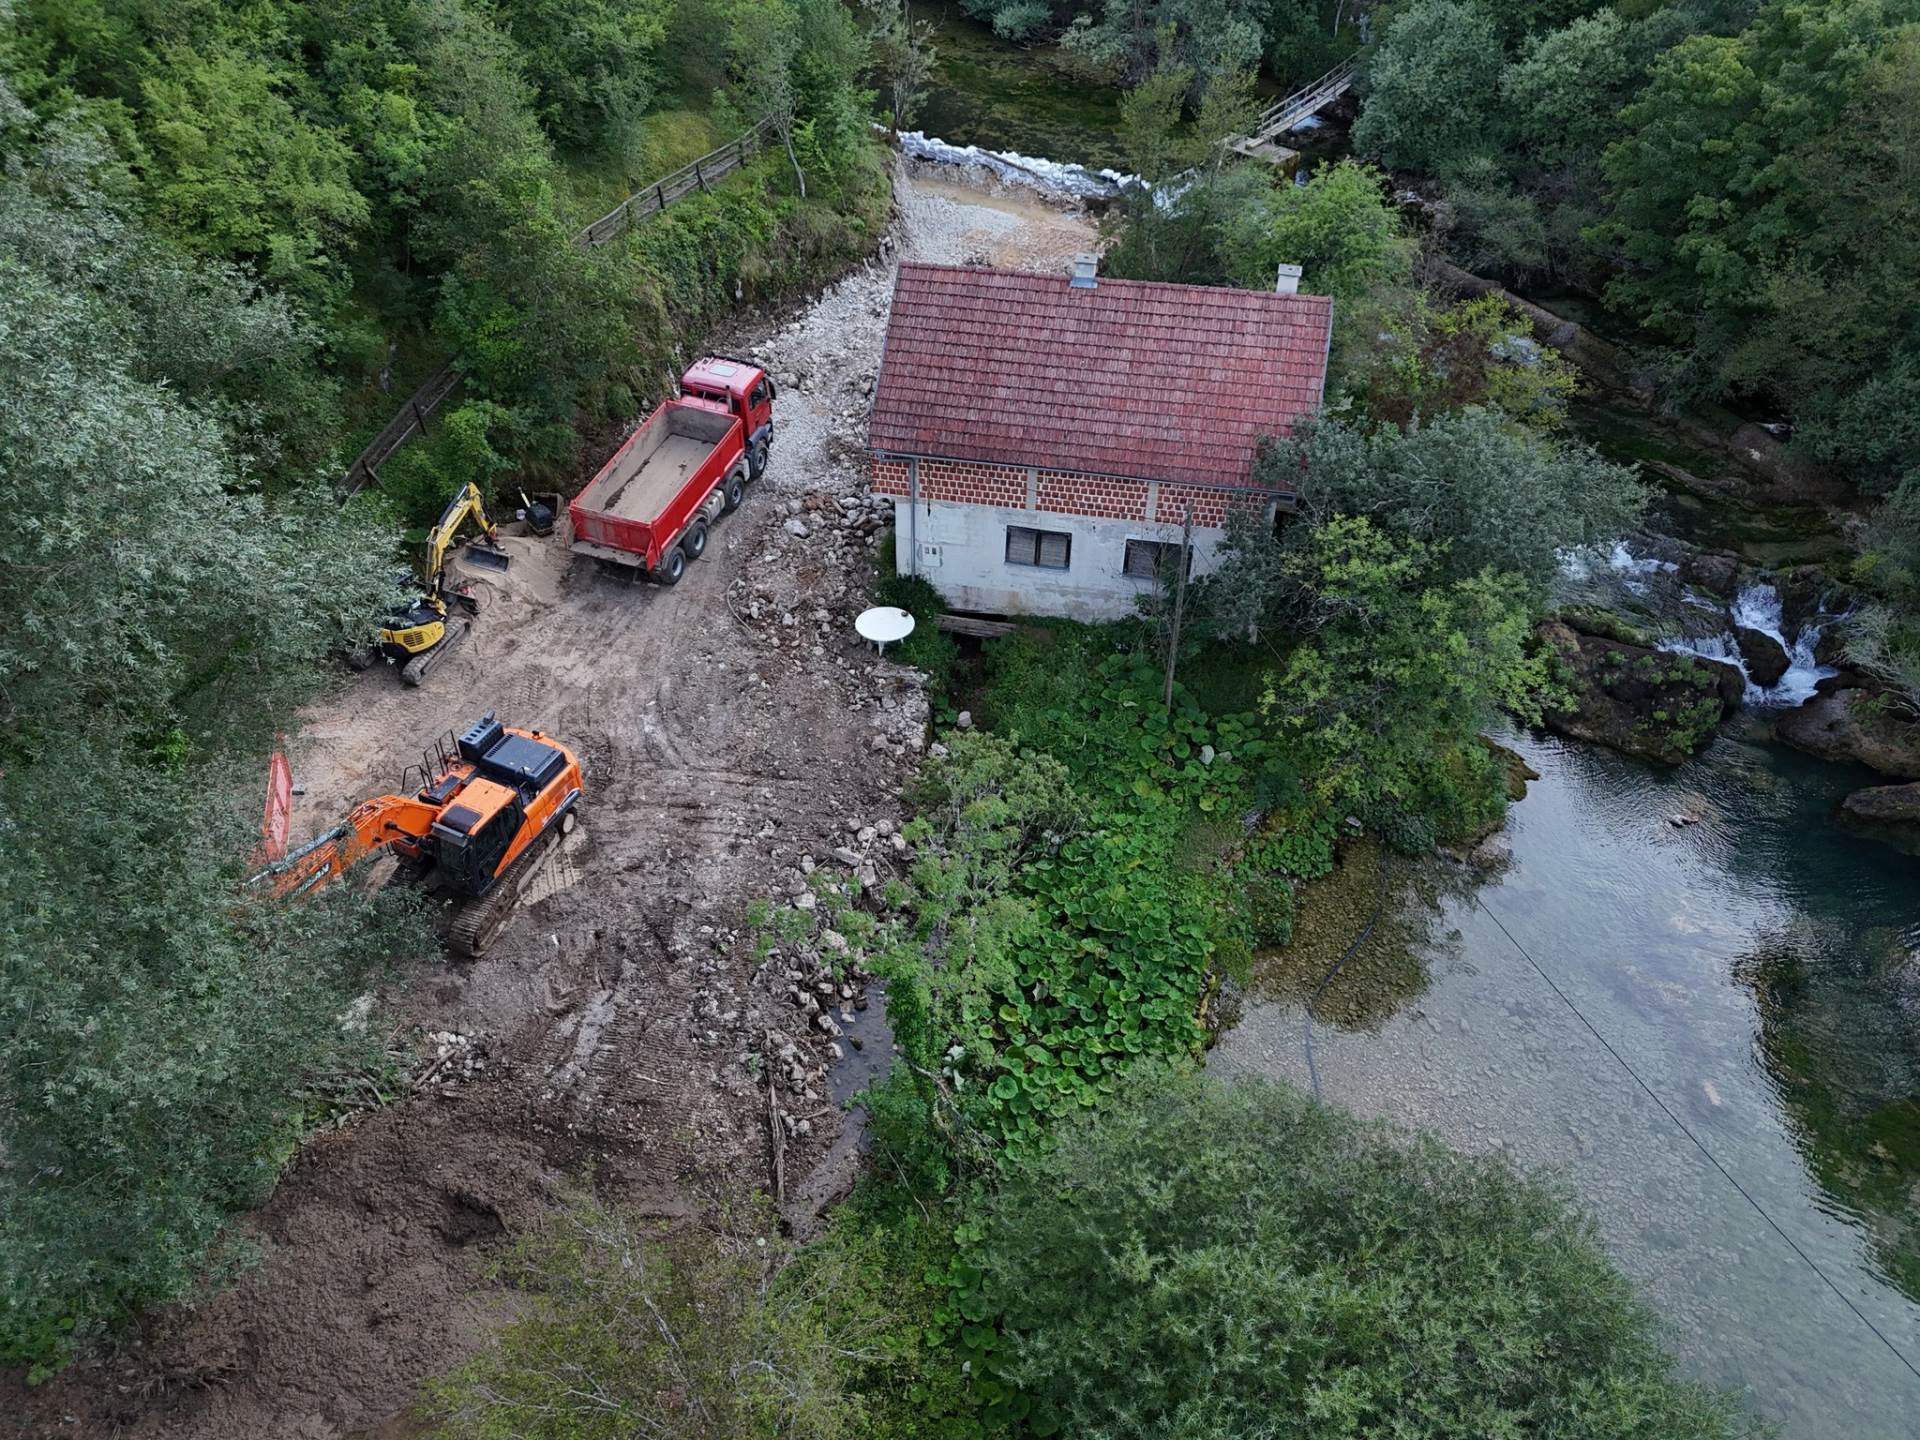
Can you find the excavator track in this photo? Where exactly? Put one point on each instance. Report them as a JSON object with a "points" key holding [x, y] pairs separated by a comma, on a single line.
{"points": [[415, 670], [477, 922]]}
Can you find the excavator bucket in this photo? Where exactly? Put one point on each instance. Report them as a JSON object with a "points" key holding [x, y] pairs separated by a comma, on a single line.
{"points": [[486, 557]]}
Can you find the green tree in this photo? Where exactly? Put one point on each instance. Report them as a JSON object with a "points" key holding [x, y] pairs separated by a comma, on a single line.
{"points": [[763, 44], [1338, 227], [1206, 1260], [1169, 226], [903, 55], [1395, 668], [1431, 90], [1127, 40], [165, 616], [1518, 19], [1489, 225], [1748, 223], [591, 63], [1483, 494], [1565, 90], [234, 169], [1839, 337], [1883, 634]]}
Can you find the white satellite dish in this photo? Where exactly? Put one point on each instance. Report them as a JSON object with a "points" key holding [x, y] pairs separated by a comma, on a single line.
{"points": [[883, 625]]}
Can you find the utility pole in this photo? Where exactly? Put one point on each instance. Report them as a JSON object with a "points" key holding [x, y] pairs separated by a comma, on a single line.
{"points": [[1179, 601]]}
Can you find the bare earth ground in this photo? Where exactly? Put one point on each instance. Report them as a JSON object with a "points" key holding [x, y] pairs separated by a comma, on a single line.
{"points": [[733, 731]]}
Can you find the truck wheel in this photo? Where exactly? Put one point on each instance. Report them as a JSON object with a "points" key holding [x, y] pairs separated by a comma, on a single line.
{"points": [[757, 459], [673, 565], [694, 542], [734, 492]]}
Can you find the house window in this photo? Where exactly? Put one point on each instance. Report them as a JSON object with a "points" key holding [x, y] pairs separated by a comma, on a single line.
{"points": [[1150, 559], [1049, 549]]}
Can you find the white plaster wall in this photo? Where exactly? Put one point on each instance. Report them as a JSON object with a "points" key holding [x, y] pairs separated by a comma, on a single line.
{"points": [[963, 551]]}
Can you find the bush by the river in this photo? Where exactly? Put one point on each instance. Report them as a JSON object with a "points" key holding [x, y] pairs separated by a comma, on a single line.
{"points": [[1234, 1260]]}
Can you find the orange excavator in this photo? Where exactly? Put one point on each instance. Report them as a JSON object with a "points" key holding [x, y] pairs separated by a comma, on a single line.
{"points": [[488, 808]]}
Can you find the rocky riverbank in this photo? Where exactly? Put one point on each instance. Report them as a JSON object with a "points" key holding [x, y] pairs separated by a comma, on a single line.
{"points": [[1660, 644]]}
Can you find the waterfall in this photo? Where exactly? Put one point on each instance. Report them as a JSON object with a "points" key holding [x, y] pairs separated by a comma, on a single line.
{"points": [[1653, 583], [1617, 560], [1757, 607]]}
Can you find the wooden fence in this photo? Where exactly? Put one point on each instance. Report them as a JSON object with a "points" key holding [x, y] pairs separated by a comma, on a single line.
{"points": [[687, 180], [677, 186]]}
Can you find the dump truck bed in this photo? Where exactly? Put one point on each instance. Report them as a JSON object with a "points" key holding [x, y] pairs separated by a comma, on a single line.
{"points": [[643, 497], [654, 466], [644, 493]]}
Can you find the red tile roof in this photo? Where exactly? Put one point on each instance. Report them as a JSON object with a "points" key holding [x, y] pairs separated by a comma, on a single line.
{"points": [[1153, 381]]}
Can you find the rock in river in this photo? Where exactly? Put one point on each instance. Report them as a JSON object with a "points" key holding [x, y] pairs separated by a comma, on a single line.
{"points": [[1716, 571], [1884, 805], [1854, 725], [1766, 657], [1651, 703]]}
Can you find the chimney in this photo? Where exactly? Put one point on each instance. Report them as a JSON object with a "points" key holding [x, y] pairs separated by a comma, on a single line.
{"points": [[1287, 282], [1083, 270]]}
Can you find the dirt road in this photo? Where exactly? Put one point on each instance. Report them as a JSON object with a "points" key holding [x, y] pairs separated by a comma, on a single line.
{"points": [[734, 733]]}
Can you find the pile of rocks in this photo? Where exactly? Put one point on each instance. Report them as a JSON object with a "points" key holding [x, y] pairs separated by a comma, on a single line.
{"points": [[835, 521], [448, 1056]]}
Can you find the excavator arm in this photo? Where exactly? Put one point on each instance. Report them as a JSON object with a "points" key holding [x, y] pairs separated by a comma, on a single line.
{"points": [[373, 825], [467, 504]]}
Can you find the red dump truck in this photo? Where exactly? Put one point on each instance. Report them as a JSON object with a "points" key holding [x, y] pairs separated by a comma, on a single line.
{"points": [[649, 508]]}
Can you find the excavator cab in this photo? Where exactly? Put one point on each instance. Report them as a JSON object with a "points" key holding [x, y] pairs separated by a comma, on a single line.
{"points": [[471, 845]]}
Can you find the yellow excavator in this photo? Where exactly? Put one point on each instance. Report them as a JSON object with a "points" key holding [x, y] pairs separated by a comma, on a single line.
{"points": [[425, 627]]}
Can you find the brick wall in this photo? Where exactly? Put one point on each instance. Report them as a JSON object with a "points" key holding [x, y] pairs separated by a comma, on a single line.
{"points": [[889, 477], [1210, 507], [1059, 492], [1064, 493], [961, 482]]}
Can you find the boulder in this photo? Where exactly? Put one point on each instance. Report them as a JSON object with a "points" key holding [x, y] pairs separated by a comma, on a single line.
{"points": [[1831, 647], [1803, 590], [1653, 704], [1855, 725], [1592, 620], [1715, 571], [1884, 805], [1766, 657]]}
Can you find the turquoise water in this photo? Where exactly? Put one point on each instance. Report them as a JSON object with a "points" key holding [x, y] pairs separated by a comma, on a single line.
{"points": [[1758, 969]]}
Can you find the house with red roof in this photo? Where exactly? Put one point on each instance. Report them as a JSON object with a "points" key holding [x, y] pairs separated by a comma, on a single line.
{"points": [[1045, 437]]}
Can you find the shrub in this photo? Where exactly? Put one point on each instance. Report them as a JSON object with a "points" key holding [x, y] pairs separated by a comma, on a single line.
{"points": [[1205, 1260], [626, 1329]]}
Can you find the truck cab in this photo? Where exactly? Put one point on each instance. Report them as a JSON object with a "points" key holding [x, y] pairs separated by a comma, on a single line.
{"points": [[738, 388]]}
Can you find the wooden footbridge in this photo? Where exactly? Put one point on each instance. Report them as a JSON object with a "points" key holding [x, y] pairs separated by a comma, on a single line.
{"points": [[1284, 115]]}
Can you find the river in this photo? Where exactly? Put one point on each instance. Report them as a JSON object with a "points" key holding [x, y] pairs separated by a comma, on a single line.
{"points": [[1757, 967]]}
